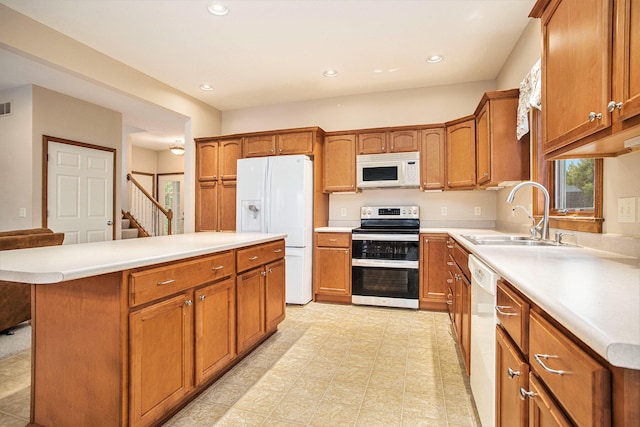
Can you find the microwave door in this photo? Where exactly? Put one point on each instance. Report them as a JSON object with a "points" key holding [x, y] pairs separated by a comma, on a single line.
{"points": [[379, 175]]}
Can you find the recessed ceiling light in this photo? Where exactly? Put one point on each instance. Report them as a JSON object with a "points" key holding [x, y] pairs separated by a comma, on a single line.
{"points": [[218, 9], [206, 87], [330, 73], [434, 59]]}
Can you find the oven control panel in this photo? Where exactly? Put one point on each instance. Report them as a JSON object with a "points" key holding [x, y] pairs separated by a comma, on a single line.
{"points": [[389, 212]]}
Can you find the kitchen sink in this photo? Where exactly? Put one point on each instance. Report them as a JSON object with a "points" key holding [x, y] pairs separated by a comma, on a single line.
{"points": [[509, 240]]}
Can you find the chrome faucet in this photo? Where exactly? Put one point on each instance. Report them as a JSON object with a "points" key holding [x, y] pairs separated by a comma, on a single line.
{"points": [[542, 227]]}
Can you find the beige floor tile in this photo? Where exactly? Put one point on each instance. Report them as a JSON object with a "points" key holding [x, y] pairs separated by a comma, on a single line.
{"points": [[345, 393], [293, 408], [386, 378], [383, 400], [259, 400], [224, 393], [377, 418], [334, 414], [198, 413], [239, 418], [354, 374], [278, 422], [18, 403], [413, 418], [308, 388], [11, 421]]}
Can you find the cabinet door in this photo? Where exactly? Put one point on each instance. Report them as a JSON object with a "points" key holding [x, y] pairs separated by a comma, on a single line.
{"points": [[207, 160], [339, 163], [207, 206], [161, 354], [461, 155], [332, 274], [576, 70], [512, 373], [543, 410], [215, 327], [227, 206], [372, 143], [483, 145], [403, 141], [256, 146], [626, 64], [432, 159], [295, 143], [230, 152], [275, 295], [250, 319], [433, 294], [465, 322]]}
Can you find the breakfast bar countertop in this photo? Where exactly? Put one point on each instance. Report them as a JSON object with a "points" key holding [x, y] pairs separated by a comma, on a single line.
{"points": [[55, 264]]}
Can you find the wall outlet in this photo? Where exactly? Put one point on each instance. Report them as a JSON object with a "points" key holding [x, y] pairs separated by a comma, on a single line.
{"points": [[477, 210], [443, 211], [627, 209], [22, 212], [343, 211]]}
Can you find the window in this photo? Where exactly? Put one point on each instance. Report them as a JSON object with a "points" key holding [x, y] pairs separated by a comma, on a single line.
{"points": [[574, 186]]}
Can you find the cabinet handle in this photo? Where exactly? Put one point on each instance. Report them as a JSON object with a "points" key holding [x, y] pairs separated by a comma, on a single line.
{"points": [[449, 302], [383, 147], [499, 309], [593, 115], [512, 373], [449, 280], [202, 297], [333, 240], [449, 262], [167, 282], [188, 302], [524, 393], [346, 252], [277, 251], [220, 267], [613, 105], [270, 271], [215, 177], [541, 363], [253, 258], [264, 273]]}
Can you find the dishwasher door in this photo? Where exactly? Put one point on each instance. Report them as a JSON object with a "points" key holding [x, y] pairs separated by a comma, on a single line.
{"points": [[483, 339]]}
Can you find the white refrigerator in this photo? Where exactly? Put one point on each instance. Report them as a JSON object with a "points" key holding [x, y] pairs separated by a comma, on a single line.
{"points": [[275, 195]]}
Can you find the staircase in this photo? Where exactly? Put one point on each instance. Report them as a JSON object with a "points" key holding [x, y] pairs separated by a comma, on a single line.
{"points": [[128, 232]]}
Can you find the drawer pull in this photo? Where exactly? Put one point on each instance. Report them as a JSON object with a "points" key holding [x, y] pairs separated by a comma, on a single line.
{"points": [[167, 282], [449, 280], [524, 393], [541, 363], [449, 302], [277, 251], [333, 240], [499, 309], [253, 258], [512, 373], [220, 267]]}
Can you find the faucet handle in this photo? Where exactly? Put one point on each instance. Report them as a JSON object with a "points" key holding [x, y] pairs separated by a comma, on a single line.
{"points": [[560, 235]]}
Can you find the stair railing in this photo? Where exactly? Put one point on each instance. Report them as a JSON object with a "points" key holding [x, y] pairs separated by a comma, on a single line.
{"points": [[147, 212]]}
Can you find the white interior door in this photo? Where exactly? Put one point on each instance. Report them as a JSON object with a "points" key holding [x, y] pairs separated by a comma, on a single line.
{"points": [[171, 196], [80, 191]]}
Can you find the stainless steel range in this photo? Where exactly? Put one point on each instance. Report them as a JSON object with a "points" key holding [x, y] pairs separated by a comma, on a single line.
{"points": [[385, 252]]}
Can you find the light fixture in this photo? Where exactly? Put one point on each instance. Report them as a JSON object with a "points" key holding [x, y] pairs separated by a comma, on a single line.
{"points": [[218, 9], [177, 148], [206, 87], [433, 59], [330, 73]]}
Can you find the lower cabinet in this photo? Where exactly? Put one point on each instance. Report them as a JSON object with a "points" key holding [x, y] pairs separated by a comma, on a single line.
{"points": [[459, 297], [512, 374], [433, 273], [332, 267], [251, 320]]}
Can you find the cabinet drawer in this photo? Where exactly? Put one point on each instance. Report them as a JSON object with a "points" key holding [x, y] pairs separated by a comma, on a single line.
{"points": [[260, 254], [333, 240], [513, 315], [579, 383], [155, 283]]}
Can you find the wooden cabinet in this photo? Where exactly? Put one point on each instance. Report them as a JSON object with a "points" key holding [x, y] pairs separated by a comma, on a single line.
{"points": [[543, 410], [332, 267], [260, 292], [296, 141], [339, 163], [459, 286], [259, 145], [432, 159], [433, 272], [216, 171], [500, 156], [590, 74], [512, 374], [372, 143], [161, 356], [388, 141], [461, 154]]}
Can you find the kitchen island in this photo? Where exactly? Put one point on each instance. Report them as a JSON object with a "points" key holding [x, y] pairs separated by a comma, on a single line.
{"points": [[127, 332]]}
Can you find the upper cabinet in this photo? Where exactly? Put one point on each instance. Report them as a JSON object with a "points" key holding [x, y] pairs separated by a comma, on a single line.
{"points": [[432, 158], [590, 76], [339, 163], [388, 141], [500, 156], [461, 153], [295, 141]]}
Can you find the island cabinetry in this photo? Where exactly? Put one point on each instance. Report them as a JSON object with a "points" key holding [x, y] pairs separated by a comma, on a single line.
{"points": [[332, 267], [339, 163], [433, 273], [461, 153], [457, 266], [216, 173], [388, 141], [500, 157], [598, 41], [260, 293], [432, 159]]}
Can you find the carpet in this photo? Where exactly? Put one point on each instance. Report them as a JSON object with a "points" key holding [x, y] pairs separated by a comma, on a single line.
{"points": [[19, 341]]}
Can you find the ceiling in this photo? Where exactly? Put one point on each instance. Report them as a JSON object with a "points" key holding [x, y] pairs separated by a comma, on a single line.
{"points": [[272, 52]]}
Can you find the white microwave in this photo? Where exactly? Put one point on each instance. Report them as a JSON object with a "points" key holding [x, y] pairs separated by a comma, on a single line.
{"points": [[389, 170]]}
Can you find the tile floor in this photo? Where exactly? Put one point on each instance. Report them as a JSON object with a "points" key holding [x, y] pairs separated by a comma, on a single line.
{"points": [[328, 365]]}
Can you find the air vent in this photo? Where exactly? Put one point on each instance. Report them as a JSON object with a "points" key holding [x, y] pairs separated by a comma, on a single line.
{"points": [[5, 108]]}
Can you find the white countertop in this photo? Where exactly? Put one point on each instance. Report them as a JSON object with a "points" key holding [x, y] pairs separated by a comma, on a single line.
{"points": [[55, 264]]}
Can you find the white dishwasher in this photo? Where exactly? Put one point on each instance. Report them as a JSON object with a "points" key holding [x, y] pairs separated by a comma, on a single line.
{"points": [[483, 339]]}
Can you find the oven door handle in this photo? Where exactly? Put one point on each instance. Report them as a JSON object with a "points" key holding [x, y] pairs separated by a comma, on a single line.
{"points": [[386, 237], [377, 263]]}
